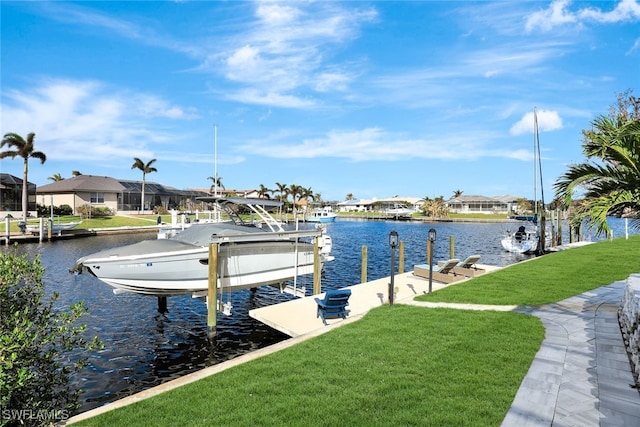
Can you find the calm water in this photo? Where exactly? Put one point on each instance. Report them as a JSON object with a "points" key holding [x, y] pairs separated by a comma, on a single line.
{"points": [[144, 348]]}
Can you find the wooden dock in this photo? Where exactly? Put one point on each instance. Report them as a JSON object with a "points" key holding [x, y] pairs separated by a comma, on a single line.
{"points": [[299, 317], [72, 234]]}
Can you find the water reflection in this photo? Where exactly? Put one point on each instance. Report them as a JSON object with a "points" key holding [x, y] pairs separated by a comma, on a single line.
{"points": [[144, 348]]}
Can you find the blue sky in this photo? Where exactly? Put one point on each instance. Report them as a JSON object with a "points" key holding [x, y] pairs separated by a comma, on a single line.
{"points": [[370, 98]]}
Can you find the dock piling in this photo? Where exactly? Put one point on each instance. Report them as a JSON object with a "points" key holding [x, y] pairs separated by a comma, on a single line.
{"points": [[212, 297], [316, 267], [452, 247], [162, 305], [363, 265]]}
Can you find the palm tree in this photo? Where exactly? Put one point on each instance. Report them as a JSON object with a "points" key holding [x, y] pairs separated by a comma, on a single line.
{"points": [[306, 194], [282, 191], [349, 196], [295, 191], [145, 168], [18, 146], [56, 177], [76, 173], [609, 180], [435, 208], [263, 192], [215, 183], [457, 193]]}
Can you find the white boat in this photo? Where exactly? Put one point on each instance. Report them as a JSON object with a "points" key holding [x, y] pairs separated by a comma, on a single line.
{"points": [[521, 241], [399, 212], [248, 256], [55, 228], [325, 214], [528, 238]]}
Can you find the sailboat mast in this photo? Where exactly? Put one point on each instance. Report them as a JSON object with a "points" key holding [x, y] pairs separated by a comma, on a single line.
{"points": [[538, 166], [535, 163], [215, 160]]}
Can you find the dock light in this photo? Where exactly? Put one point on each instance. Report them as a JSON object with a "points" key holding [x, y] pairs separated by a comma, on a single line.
{"points": [[432, 238], [393, 242]]}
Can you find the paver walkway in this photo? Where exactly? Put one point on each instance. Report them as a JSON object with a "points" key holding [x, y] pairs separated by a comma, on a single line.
{"points": [[581, 375]]}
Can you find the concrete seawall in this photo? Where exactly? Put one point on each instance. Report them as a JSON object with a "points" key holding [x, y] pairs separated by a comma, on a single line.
{"points": [[629, 318]]}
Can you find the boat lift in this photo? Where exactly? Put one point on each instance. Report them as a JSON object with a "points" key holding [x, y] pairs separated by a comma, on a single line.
{"points": [[215, 293]]}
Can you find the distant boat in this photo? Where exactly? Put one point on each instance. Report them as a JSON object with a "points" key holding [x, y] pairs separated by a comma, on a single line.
{"points": [[248, 255], [400, 212], [55, 228], [325, 214], [531, 218]]}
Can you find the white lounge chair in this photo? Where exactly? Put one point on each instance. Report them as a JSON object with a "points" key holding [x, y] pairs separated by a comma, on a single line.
{"points": [[468, 267], [441, 273]]}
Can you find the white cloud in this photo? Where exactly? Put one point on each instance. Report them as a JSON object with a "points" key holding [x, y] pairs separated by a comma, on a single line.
{"points": [[276, 14], [547, 121], [274, 99], [551, 17], [557, 14], [86, 120], [375, 144], [625, 11], [289, 48]]}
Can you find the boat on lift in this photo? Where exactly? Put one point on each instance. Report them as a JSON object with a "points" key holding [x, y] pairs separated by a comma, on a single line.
{"points": [[251, 252]]}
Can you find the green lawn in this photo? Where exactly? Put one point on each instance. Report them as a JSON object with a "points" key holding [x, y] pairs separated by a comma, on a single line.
{"points": [[550, 278], [398, 365]]}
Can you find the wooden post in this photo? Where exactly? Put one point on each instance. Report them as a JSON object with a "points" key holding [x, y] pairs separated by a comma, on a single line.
{"points": [[428, 251], [49, 229], [317, 288], [401, 258], [559, 240], [363, 265], [212, 297], [571, 235], [452, 247], [543, 232], [553, 228]]}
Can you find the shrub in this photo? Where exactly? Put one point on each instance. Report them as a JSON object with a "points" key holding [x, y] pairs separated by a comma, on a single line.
{"points": [[64, 210], [39, 347], [161, 210], [88, 211], [45, 211]]}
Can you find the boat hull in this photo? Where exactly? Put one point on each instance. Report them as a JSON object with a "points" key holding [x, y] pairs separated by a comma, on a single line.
{"points": [[321, 219], [183, 269], [511, 244]]}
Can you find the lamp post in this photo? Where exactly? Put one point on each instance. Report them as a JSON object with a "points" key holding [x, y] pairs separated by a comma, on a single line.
{"points": [[432, 238], [393, 242]]}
